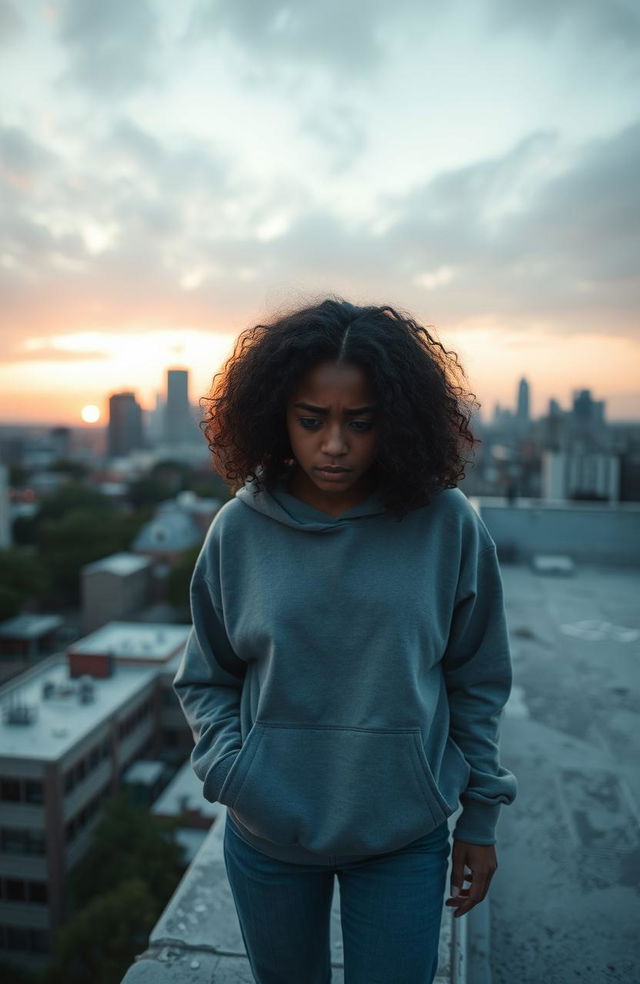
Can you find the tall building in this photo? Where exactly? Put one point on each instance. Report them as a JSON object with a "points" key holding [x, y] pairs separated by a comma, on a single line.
{"points": [[5, 521], [522, 412], [125, 431], [179, 423]]}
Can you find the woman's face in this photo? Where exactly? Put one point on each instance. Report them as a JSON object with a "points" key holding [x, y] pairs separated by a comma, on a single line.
{"points": [[331, 422]]}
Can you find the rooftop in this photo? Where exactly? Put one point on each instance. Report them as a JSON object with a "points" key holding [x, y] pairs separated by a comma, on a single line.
{"points": [[184, 792], [29, 626], [570, 734], [121, 564], [57, 722], [154, 641]]}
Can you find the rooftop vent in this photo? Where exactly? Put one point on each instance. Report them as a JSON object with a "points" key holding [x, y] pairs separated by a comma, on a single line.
{"points": [[54, 689], [86, 689], [17, 711]]}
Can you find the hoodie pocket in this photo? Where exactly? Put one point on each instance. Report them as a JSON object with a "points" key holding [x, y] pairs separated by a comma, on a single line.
{"points": [[334, 790]]}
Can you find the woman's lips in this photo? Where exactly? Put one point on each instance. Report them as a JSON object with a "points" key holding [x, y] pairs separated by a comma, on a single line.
{"points": [[328, 473]]}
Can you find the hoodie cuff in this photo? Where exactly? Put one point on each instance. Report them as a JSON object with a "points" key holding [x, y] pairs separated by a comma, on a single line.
{"points": [[477, 822], [216, 777]]}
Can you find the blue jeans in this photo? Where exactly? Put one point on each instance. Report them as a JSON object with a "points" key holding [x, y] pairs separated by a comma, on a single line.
{"points": [[390, 908]]}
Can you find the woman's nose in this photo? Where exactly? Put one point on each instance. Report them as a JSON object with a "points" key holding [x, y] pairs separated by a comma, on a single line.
{"points": [[334, 439]]}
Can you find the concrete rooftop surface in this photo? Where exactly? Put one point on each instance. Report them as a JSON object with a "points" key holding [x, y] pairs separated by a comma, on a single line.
{"points": [[564, 904]]}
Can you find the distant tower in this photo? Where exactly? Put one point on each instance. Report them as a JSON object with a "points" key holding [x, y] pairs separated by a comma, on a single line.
{"points": [[582, 409], [60, 438], [125, 424], [522, 412], [5, 521], [555, 409], [179, 424]]}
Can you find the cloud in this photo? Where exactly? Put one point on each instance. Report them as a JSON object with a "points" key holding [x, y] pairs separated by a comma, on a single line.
{"points": [[616, 21], [342, 36], [340, 129], [112, 46], [543, 234], [21, 157], [564, 251], [10, 23], [49, 353]]}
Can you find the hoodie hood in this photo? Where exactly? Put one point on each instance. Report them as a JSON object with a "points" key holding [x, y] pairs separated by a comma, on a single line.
{"points": [[279, 504]]}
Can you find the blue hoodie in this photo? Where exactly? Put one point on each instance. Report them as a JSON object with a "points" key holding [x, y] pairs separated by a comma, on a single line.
{"points": [[345, 677]]}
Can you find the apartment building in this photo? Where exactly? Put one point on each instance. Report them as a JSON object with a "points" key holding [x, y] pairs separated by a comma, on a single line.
{"points": [[70, 729]]}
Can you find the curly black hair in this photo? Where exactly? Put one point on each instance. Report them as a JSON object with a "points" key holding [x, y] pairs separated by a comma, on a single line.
{"points": [[424, 416]]}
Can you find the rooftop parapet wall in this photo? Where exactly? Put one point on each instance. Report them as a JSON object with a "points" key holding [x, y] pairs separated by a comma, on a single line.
{"points": [[589, 532]]}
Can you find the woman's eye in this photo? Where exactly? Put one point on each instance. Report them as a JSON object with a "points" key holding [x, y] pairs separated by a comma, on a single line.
{"points": [[309, 423]]}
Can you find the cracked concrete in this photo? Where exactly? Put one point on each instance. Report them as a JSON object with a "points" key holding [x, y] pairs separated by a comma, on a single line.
{"points": [[565, 902]]}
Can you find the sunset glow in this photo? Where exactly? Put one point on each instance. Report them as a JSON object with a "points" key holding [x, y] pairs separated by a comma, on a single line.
{"points": [[90, 414], [170, 177]]}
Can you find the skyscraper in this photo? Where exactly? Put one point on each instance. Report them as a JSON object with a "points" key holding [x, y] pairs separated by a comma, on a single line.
{"points": [[179, 424], [125, 424], [522, 412]]}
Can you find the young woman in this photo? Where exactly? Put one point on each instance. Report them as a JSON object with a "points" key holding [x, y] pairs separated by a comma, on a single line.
{"points": [[349, 658]]}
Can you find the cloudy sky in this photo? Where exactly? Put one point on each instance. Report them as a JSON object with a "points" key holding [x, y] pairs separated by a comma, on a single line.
{"points": [[172, 172]]}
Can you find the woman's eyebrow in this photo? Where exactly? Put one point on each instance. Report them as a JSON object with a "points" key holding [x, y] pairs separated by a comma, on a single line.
{"points": [[313, 409]]}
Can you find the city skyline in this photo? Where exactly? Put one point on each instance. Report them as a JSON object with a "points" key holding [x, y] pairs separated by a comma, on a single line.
{"points": [[536, 404]]}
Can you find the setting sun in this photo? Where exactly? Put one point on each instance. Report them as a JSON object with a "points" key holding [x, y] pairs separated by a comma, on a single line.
{"points": [[90, 414]]}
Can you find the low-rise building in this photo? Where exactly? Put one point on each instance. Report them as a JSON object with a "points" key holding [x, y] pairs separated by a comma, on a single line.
{"points": [[114, 587], [71, 727]]}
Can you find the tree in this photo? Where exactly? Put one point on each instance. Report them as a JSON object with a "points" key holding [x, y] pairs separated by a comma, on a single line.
{"points": [[101, 942], [128, 842], [79, 537], [22, 576], [180, 579], [118, 891], [70, 496]]}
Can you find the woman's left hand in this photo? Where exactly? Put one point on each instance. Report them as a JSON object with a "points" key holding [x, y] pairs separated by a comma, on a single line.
{"points": [[482, 862]]}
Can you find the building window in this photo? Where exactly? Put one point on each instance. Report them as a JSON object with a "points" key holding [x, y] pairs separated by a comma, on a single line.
{"points": [[37, 892], [14, 890], [24, 938], [10, 790], [33, 791], [17, 937], [21, 841], [12, 841]]}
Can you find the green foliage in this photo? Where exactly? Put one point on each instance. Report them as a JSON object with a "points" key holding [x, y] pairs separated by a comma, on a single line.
{"points": [[180, 578], [128, 842], [146, 491], [76, 469], [75, 526], [101, 942], [22, 577], [118, 890], [72, 496], [77, 538], [17, 475], [11, 973]]}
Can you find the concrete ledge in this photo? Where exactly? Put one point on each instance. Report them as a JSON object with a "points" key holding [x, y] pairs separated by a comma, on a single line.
{"points": [[197, 939]]}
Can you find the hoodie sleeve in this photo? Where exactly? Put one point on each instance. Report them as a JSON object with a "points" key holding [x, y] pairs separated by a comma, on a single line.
{"points": [[478, 674], [208, 685]]}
